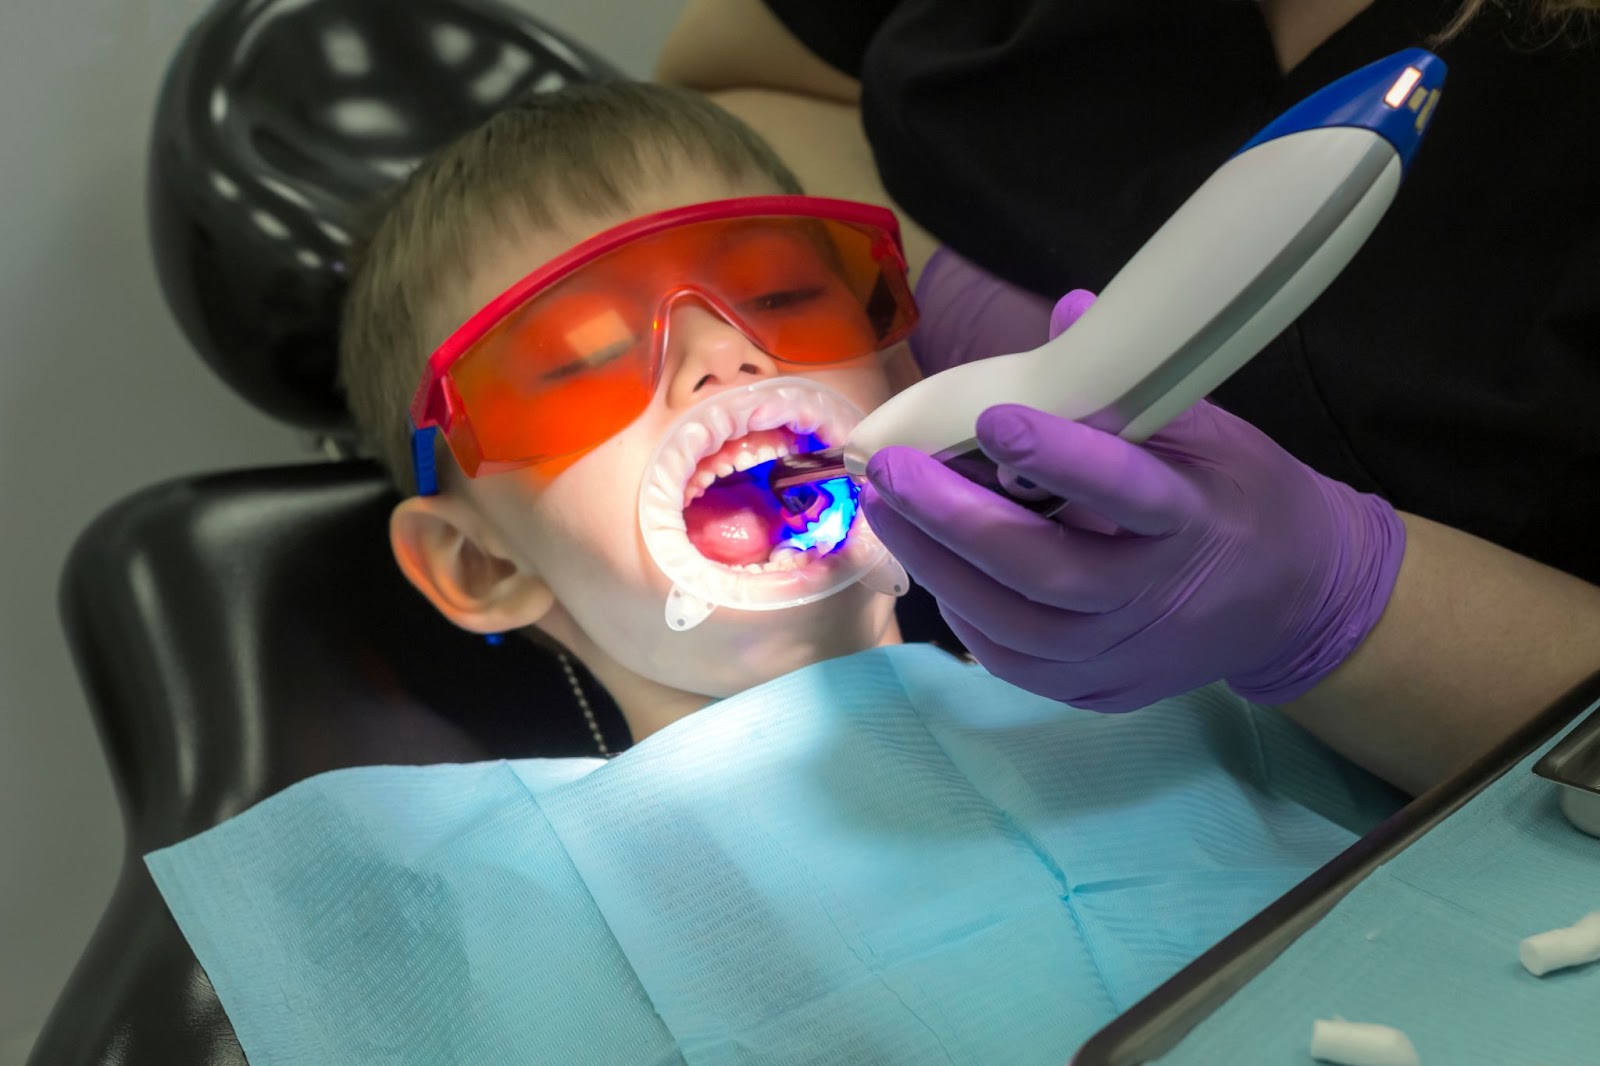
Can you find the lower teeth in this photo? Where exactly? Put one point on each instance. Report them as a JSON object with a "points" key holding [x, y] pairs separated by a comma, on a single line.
{"points": [[786, 558], [783, 558]]}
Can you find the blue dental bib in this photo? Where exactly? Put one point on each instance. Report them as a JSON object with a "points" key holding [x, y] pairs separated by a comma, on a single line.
{"points": [[888, 858]]}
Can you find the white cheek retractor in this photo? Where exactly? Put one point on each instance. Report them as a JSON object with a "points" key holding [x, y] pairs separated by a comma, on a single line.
{"points": [[842, 548]]}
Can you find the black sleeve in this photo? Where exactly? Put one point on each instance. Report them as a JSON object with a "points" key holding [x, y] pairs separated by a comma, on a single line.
{"points": [[1453, 367], [1047, 139], [837, 32]]}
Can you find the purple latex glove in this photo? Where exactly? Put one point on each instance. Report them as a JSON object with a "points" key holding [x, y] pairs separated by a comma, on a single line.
{"points": [[968, 314], [1206, 553]]}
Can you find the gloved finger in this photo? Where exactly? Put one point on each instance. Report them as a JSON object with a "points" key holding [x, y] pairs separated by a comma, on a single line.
{"points": [[1110, 476], [1072, 515], [1007, 615], [1077, 516], [1078, 684], [1045, 561], [969, 314], [1005, 663], [1068, 310]]}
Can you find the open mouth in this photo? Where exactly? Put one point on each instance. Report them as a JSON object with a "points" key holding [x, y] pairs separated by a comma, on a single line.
{"points": [[732, 517], [714, 468], [717, 531]]}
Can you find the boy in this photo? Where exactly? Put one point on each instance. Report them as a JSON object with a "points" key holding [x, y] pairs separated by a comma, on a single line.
{"points": [[554, 547], [861, 853]]}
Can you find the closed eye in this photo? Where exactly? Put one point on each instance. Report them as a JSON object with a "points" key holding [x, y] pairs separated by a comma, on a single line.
{"points": [[594, 360], [782, 299]]}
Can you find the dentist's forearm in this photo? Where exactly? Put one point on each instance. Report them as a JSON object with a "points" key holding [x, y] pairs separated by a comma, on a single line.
{"points": [[739, 44], [1475, 641], [823, 143], [746, 61]]}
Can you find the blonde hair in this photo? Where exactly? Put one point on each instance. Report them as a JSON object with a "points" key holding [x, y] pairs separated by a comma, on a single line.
{"points": [[1546, 21], [587, 149]]}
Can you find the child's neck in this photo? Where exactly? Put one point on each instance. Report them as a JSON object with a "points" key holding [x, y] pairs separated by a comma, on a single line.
{"points": [[650, 706]]}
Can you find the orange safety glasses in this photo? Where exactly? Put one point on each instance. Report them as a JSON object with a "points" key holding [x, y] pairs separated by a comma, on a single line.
{"points": [[572, 353]]}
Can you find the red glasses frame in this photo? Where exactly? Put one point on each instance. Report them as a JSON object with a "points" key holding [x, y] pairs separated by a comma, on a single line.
{"points": [[432, 404]]}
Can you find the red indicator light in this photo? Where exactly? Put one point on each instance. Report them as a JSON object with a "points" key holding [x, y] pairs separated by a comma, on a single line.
{"points": [[1402, 87]]}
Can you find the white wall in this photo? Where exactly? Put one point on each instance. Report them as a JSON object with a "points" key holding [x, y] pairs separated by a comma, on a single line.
{"points": [[100, 396]]}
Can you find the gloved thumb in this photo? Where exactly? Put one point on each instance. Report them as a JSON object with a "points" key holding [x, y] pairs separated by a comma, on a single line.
{"points": [[1068, 310]]}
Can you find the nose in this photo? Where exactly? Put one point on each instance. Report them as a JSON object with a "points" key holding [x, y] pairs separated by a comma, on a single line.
{"points": [[706, 353]]}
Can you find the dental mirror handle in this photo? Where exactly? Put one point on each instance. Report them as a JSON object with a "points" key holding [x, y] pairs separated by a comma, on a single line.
{"points": [[1231, 269]]}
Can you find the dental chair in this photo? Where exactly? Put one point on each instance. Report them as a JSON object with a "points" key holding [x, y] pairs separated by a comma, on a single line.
{"points": [[240, 631]]}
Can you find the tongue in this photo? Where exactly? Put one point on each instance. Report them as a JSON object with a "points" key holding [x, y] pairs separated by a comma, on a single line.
{"points": [[735, 522]]}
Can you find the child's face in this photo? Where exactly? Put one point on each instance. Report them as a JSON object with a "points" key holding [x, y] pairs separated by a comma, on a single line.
{"points": [[574, 541]]}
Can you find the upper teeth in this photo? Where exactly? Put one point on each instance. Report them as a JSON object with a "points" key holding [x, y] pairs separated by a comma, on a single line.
{"points": [[764, 454], [743, 459], [763, 421]]}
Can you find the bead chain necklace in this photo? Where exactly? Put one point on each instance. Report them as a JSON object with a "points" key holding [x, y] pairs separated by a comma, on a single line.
{"points": [[588, 711], [583, 705]]}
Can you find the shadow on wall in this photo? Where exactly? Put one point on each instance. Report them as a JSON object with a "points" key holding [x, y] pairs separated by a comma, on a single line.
{"points": [[100, 395]]}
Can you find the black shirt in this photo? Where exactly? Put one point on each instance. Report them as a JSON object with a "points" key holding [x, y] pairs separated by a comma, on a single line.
{"points": [[1454, 367]]}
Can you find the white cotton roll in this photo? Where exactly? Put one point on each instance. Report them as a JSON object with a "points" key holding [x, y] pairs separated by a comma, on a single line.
{"points": [[1559, 948], [1361, 1044]]}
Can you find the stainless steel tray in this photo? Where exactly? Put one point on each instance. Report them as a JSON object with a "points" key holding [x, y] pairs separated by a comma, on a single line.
{"points": [[1574, 764], [1156, 1024]]}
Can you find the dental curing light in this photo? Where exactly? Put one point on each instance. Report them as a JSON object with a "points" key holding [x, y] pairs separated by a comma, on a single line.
{"points": [[1238, 262]]}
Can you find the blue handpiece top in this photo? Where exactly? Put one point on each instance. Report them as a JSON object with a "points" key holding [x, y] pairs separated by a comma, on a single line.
{"points": [[1393, 98]]}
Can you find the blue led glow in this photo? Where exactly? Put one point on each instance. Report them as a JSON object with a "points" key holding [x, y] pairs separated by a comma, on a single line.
{"points": [[834, 521]]}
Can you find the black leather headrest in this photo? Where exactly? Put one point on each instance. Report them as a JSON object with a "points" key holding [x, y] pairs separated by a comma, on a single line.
{"points": [[280, 122], [242, 631]]}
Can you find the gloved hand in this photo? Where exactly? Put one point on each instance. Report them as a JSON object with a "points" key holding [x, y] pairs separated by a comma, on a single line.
{"points": [[1208, 552], [968, 313]]}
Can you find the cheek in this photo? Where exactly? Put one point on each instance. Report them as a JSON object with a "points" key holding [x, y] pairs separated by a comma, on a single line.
{"points": [[864, 381], [586, 520], [592, 507]]}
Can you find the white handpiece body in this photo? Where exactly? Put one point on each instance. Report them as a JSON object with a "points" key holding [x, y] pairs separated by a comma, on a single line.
{"points": [[1232, 268]]}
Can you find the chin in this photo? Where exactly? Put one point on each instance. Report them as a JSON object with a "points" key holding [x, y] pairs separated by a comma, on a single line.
{"points": [[742, 649]]}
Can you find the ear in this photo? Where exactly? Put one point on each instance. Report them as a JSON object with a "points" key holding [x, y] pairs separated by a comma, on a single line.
{"points": [[900, 368], [445, 550]]}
